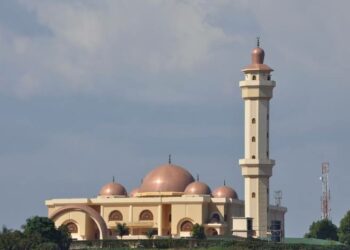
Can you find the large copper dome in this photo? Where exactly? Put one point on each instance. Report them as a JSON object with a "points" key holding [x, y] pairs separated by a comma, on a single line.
{"points": [[198, 188], [113, 189], [225, 192], [166, 178]]}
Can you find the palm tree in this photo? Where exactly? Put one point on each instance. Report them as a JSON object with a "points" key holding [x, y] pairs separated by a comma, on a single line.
{"points": [[150, 232], [122, 230]]}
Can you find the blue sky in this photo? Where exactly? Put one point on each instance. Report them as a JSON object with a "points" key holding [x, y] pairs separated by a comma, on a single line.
{"points": [[92, 89]]}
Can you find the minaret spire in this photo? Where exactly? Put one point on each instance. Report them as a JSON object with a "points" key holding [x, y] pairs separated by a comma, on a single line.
{"points": [[258, 41]]}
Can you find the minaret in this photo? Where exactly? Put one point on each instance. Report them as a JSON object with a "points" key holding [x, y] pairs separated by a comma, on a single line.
{"points": [[257, 165]]}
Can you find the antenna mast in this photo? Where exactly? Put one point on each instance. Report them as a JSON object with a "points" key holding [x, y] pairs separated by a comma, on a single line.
{"points": [[278, 198], [326, 193]]}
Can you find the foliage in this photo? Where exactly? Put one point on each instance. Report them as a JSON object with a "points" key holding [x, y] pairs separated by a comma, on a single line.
{"points": [[47, 246], [10, 240], [38, 233], [122, 230], [322, 229], [227, 243], [150, 232], [198, 231], [344, 229]]}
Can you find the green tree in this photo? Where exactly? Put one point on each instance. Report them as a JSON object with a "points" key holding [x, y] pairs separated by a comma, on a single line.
{"points": [[122, 230], [42, 230], [198, 231], [322, 229], [150, 232], [39, 233], [11, 240], [344, 229]]}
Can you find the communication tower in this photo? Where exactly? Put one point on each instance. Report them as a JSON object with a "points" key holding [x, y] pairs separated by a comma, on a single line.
{"points": [[326, 194]]}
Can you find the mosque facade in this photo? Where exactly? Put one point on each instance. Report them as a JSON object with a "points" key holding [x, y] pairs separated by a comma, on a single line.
{"points": [[170, 201]]}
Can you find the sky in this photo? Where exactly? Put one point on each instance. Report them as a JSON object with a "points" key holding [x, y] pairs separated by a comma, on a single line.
{"points": [[95, 89]]}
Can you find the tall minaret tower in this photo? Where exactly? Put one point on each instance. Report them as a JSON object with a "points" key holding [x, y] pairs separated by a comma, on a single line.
{"points": [[257, 165]]}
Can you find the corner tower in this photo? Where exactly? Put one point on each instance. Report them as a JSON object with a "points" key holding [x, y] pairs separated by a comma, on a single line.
{"points": [[257, 166]]}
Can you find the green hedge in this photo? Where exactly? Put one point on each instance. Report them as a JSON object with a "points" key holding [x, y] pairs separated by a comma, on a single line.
{"points": [[212, 244]]}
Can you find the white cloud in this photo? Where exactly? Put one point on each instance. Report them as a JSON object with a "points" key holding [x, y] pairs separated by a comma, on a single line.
{"points": [[87, 43]]}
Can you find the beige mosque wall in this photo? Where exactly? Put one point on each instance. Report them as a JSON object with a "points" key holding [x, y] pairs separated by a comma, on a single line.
{"points": [[183, 212]]}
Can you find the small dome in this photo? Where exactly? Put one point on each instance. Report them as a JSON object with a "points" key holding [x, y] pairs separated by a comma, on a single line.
{"points": [[197, 187], [113, 189], [258, 55], [134, 192], [225, 192], [166, 178]]}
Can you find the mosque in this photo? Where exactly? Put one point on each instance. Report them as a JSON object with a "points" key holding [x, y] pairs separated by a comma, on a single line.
{"points": [[170, 201]]}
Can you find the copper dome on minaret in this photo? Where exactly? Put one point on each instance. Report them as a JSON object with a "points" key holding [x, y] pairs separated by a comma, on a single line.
{"points": [[166, 178], [225, 192], [113, 189], [258, 55], [198, 188]]}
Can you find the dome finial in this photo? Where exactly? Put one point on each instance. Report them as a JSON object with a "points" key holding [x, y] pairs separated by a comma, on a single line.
{"points": [[113, 179], [169, 159], [197, 177], [258, 41], [224, 182]]}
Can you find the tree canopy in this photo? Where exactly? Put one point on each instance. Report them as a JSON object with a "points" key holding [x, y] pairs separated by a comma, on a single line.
{"points": [[198, 231], [322, 229], [344, 229], [38, 233]]}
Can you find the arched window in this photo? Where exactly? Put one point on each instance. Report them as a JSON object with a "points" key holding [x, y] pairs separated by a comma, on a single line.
{"points": [[253, 139], [253, 156], [186, 226], [268, 77], [253, 120], [267, 153], [146, 215], [212, 232], [253, 195], [72, 227], [254, 77], [115, 216], [215, 218]]}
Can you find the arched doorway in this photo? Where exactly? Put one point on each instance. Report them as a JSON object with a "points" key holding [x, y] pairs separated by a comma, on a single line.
{"points": [[186, 226], [211, 232], [98, 227]]}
